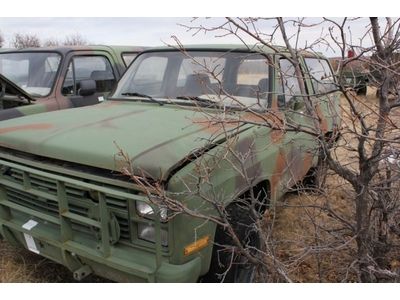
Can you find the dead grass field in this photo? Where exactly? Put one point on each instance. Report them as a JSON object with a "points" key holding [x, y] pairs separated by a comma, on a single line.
{"points": [[20, 265], [295, 232]]}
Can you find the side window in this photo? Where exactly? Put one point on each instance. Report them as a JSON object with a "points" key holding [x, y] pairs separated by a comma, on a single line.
{"points": [[252, 78], [288, 84], [321, 75], [96, 68], [128, 58]]}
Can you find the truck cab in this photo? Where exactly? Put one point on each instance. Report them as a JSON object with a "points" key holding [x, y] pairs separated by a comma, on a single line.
{"points": [[46, 79]]}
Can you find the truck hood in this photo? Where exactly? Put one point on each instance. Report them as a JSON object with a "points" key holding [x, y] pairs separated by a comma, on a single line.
{"points": [[155, 139], [13, 89]]}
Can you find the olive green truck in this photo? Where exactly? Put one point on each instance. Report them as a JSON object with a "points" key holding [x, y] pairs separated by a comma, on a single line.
{"points": [[64, 194], [36, 80]]}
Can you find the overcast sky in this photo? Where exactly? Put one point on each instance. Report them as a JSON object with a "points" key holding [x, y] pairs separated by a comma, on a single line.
{"points": [[153, 31]]}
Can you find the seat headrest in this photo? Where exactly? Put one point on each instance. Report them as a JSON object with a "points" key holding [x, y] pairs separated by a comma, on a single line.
{"points": [[101, 75], [197, 84], [263, 85]]}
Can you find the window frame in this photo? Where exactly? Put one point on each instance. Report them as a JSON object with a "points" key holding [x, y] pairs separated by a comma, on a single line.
{"points": [[72, 62]]}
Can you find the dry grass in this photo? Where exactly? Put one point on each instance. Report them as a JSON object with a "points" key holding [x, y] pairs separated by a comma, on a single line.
{"points": [[312, 243], [20, 265]]}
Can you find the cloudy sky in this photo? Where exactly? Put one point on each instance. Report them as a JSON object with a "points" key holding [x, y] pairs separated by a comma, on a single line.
{"points": [[157, 31]]}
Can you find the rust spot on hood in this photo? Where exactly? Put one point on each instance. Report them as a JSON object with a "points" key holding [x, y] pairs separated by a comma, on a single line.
{"points": [[215, 124], [38, 126]]}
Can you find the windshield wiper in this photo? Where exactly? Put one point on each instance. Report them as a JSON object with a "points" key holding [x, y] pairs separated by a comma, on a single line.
{"points": [[134, 94], [197, 99]]}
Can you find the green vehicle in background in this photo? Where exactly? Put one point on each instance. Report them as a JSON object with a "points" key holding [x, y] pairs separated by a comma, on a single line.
{"points": [[38, 80], [355, 75], [65, 196]]}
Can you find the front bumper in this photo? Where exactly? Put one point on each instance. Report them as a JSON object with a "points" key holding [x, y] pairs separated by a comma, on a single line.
{"points": [[82, 256], [53, 235]]}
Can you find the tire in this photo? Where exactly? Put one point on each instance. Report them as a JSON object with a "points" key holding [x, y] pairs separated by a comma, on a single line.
{"points": [[226, 264]]}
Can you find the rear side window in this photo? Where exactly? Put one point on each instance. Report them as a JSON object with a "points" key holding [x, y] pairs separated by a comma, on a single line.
{"points": [[96, 68], [321, 75]]}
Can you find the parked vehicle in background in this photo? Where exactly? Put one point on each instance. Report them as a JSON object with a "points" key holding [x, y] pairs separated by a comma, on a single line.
{"points": [[38, 80], [376, 80], [64, 195], [355, 75]]}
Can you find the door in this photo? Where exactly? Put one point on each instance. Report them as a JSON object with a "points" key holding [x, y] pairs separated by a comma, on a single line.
{"points": [[323, 91], [298, 149], [95, 68]]}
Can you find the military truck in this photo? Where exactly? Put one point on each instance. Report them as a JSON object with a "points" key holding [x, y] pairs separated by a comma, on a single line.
{"points": [[355, 75], [46, 79], [375, 69], [65, 192]]}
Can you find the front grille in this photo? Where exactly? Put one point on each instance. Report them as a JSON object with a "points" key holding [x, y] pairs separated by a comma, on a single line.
{"points": [[80, 201]]}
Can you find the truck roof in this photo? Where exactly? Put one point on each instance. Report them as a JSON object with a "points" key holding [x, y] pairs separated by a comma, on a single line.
{"points": [[65, 49], [236, 47]]}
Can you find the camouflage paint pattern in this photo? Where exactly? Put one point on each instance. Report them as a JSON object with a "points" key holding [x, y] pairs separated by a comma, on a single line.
{"points": [[169, 144], [56, 100]]}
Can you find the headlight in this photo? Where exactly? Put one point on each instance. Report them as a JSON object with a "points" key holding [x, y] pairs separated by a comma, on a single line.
{"points": [[148, 233], [145, 210]]}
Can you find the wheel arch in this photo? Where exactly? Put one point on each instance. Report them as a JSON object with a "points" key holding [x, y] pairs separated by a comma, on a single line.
{"points": [[261, 190]]}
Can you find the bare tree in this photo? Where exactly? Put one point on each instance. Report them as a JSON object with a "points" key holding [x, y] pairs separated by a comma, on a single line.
{"points": [[51, 42], [21, 41], [75, 40]]}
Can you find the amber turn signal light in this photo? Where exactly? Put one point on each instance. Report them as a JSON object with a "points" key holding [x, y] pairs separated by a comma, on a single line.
{"points": [[197, 245]]}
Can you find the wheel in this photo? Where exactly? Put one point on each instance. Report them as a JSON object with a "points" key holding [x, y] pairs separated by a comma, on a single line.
{"points": [[227, 265]]}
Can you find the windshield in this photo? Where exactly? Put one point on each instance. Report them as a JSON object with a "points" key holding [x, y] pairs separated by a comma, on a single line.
{"points": [[34, 72], [228, 78]]}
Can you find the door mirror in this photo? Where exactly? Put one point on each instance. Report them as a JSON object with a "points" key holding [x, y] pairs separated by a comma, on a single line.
{"points": [[87, 87]]}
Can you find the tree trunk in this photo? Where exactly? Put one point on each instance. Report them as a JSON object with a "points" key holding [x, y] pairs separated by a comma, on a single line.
{"points": [[363, 233]]}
